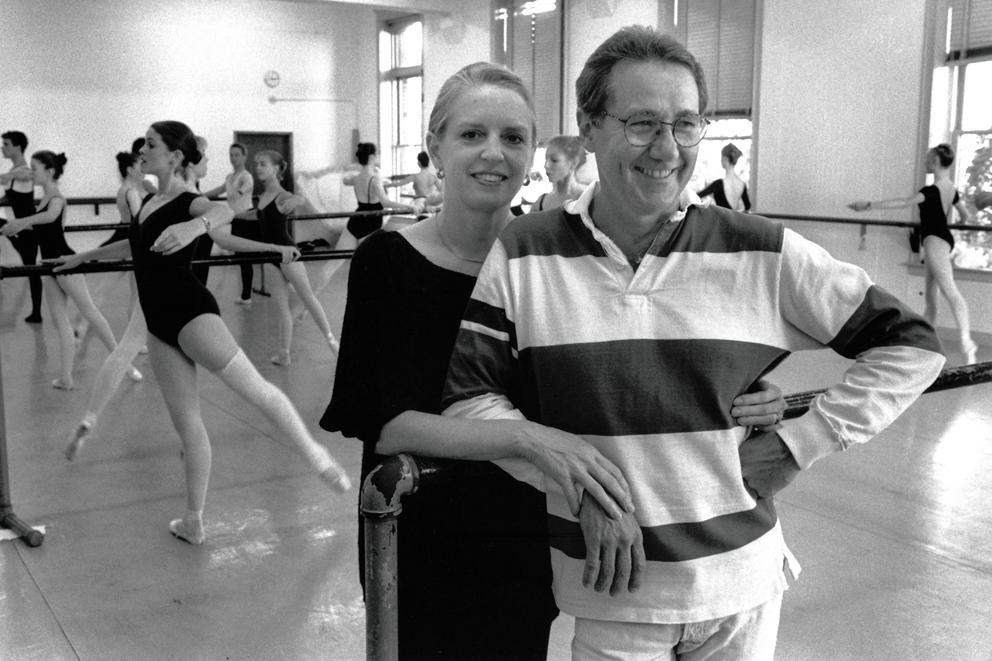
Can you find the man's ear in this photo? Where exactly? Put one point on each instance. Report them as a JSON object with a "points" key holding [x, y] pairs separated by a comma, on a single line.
{"points": [[586, 124]]}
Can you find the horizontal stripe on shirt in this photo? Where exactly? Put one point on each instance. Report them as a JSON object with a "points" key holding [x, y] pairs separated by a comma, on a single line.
{"points": [[678, 542]]}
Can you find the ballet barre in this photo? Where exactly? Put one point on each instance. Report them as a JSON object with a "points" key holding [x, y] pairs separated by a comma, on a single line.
{"points": [[403, 475], [92, 227], [8, 519]]}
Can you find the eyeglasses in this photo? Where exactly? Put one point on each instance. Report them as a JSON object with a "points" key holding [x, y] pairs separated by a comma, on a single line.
{"points": [[642, 129]]}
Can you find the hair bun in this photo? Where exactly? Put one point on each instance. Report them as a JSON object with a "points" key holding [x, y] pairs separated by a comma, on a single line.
{"points": [[61, 159]]}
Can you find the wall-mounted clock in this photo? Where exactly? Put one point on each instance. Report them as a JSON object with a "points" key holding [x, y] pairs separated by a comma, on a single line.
{"points": [[271, 78]]}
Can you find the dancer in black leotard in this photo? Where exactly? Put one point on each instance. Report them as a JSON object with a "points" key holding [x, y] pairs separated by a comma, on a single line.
{"points": [[185, 328], [46, 223], [19, 184], [273, 206], [368, 184], [563, 156], [935, 202], [731, 191]]}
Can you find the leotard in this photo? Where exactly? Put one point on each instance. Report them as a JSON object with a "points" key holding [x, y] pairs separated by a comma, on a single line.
{"points": [[22, 204], [933, 218], [274, 226], [169, 293], [719, 194], [51, 236], [361, 226]]}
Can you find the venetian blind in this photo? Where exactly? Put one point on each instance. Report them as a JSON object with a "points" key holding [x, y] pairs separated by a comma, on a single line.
{"points": [[535, 55], [969, 33], [720, 33]]}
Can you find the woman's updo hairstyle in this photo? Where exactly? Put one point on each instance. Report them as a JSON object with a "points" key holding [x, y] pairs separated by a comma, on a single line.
{"points": [[570, 146], [365, 149], [944, 153], [51, 161], [179, 137], [731, 153], [125, 160], [275, 158], [478, 74]]}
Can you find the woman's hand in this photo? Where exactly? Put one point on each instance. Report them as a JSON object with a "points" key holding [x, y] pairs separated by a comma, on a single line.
{"points": [[577, 466], [64, 263], [12, 227], [859, 206], [176, 237], [286, 253], [762, 408]]}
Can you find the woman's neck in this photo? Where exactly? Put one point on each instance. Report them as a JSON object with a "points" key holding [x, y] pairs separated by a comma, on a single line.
{"points": [[470, 233], [50, 188], [272, 186], [564, 185], [942, 175]]}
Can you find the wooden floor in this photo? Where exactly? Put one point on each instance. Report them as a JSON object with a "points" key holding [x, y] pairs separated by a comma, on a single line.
{"points": [[895, 537]]}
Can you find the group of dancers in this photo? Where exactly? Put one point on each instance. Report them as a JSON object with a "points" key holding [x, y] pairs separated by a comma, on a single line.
{"points": [[184, 328]]}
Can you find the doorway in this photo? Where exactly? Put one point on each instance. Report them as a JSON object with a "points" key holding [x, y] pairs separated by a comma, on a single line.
{"points": [[256, 141]]}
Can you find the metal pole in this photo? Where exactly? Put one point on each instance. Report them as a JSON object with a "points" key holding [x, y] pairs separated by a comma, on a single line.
{"points": [[381, 504], [7, 517]]}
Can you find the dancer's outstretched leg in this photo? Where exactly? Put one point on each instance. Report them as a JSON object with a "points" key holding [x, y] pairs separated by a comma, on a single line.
{"points": [[58, 304], [176, 375], [280, 296], [108, 379], [208, 341], [346, 241]]}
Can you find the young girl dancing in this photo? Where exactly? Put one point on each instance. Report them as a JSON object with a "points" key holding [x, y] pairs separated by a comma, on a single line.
{"points": [[47, 168], [184, 324], [274, 205]]}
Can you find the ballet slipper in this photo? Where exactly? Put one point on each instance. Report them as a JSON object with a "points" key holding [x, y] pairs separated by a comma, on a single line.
{"points": [[243, 301], [179, 529], [335, 477], [970, 351], [282, 359], [62, 384], [78, 438], [135, 375]]}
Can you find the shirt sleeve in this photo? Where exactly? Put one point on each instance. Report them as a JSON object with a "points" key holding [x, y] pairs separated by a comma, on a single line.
{"points": [[382, 368], [896, 352], [483, 369]]}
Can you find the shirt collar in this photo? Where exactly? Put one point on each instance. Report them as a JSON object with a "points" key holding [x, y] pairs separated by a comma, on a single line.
{"points": [[580, 206]]}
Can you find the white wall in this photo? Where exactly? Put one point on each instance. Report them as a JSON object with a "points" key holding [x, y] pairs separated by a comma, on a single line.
{"points": [[839, 118]]}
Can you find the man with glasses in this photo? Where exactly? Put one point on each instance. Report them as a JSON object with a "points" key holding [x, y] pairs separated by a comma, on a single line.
{"points": [[633, 318]]}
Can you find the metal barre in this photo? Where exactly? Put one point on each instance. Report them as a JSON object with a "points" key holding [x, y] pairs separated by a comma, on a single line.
{"points": [[220, 260], [311, 216], [389, 482]]}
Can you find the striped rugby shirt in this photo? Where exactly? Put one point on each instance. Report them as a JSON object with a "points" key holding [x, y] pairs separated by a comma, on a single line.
{"points": [[645, 364]]}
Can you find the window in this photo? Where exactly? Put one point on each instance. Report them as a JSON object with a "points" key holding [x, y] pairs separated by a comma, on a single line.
{"points": [[401, 98], [720, 33], [528, 40], [961, 95]]}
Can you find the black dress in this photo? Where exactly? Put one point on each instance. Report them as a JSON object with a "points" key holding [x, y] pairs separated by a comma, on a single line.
{"points": [[51, 236], [719, 194], [170, 295], [933, 219], [474, 568]]}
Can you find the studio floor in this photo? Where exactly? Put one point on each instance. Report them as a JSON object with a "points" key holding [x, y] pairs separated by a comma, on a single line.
{"points": [[895, 537]]}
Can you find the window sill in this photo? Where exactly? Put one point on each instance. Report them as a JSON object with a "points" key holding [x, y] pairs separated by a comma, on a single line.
{"points": [[972, 275]]}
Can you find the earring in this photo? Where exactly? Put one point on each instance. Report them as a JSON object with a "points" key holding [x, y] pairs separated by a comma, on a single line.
{"points": [[440, 173]]}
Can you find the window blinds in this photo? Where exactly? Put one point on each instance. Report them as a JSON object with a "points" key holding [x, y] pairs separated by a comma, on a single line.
{"points": [[969, 34], [720, 33]]}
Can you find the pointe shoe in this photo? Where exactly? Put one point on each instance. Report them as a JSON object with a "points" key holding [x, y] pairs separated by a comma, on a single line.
{"points": [[179, 529], [243, 301], [333, 343], [135, 375], [970, 351], [335, 477], [61, 384], [79, 436], [282, 359]]}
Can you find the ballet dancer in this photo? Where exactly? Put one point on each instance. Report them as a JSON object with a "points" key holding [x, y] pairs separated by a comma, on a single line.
{"points": [[184, 324], [19, 182], [46, 223], [935, 202], [729, 192], [563, 156], [274, 205], [134, 339]]}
